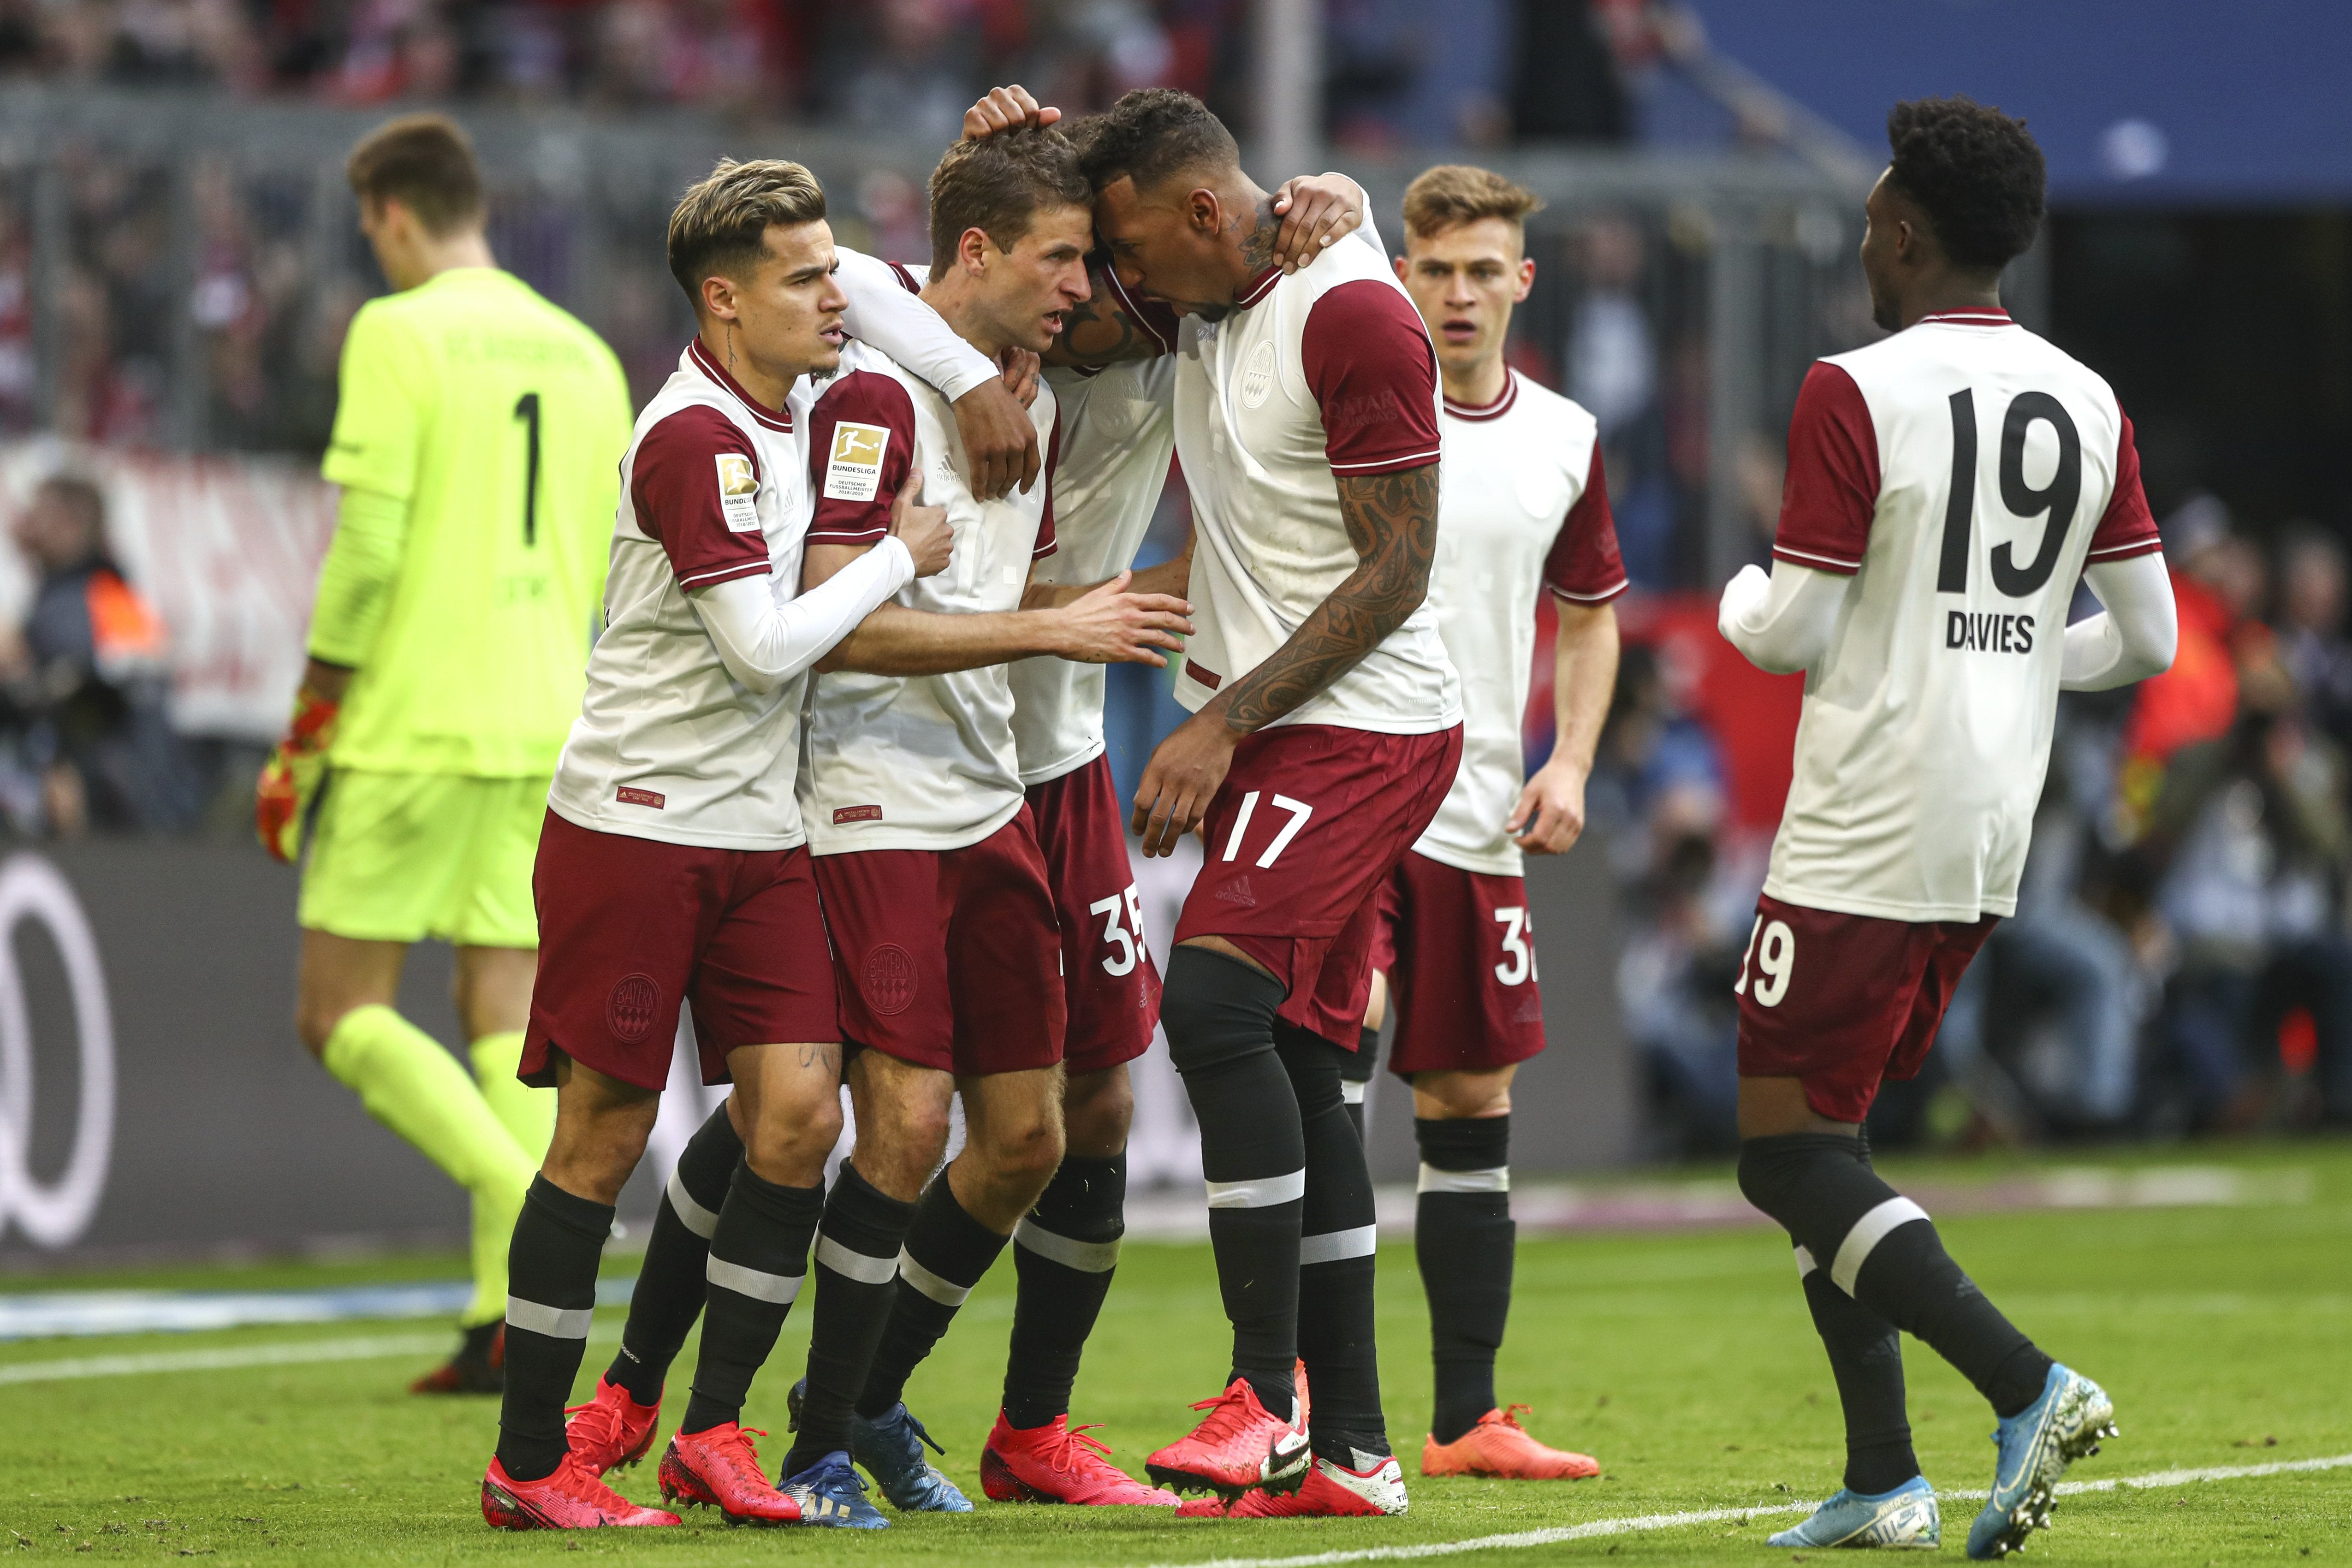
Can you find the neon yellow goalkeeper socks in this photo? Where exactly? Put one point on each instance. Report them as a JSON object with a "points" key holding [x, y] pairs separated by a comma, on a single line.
{"points": [[529, 1115], [410, 1084]]}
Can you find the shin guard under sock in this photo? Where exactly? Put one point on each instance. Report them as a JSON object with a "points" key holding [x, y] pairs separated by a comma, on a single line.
{"points": [[1356, 1075], [1065, 1249], [856, 1272], [1464, 1239], [1879, 1248], [1339, 1237], [671, 1285], [552, 1282], [1866, 1358], [757, 1262], [1219, 1015], [946, 1253]]}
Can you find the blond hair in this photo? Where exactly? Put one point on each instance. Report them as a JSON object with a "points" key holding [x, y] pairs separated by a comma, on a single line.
{"points": [[721, 225], [426, 163], [1452, 195]]}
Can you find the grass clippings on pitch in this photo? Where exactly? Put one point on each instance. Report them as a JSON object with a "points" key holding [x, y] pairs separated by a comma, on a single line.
{"points": [[1684, 1361]]}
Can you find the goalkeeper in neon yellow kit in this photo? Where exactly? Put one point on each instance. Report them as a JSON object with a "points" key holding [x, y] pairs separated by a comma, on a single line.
{"points": [[477, 441]]}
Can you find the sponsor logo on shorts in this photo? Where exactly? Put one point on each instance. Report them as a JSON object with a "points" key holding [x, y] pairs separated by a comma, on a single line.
{"points": [[853, 469], [630, 795], [1203, 674], [841, 814], [1237, 891], [890, 979], [631, 1010]]}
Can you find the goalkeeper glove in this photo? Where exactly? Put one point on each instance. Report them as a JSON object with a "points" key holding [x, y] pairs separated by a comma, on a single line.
{"points": [[289, 780]]}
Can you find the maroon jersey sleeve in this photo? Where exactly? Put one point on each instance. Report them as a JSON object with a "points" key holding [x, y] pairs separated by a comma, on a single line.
{"points": [[1584, 565], [692, 487], [861, 447], [2126, 529], [1367, 357], [1046, 544], [1832, 491]]}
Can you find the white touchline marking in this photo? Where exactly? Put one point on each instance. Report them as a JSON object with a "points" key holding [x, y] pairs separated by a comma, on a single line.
{"points": [[280, 1352], [1645, 1522]]}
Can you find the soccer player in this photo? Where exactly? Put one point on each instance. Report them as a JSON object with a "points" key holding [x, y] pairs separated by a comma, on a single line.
{"points": [[1948, 489], [474, 440], [936, 893], [1526, 509], [1326, 729], [673, 866]]}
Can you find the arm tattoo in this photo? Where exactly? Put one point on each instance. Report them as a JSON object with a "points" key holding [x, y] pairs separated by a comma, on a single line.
{"points": [[1110, 333], [1393, 522]]}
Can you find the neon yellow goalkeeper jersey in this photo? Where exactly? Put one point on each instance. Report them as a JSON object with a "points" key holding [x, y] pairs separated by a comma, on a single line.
{"points": [[499, 420]]}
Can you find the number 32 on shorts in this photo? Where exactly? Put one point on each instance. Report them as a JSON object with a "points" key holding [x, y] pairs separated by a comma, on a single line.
{"points": [[1772, 950]]}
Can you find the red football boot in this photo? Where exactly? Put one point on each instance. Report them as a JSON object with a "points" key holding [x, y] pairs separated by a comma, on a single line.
{"points": [[1298, 1381], [1498, 1446], [571, 1499], [720, 1468], [1059, 1463], [1332, 1491], [1241, 1444], [612, 1430]]}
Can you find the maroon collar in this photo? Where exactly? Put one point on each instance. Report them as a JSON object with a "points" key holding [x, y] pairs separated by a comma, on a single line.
{"points": [[1494, 410], [1977, 316], [1257, 287], [773, 418]]}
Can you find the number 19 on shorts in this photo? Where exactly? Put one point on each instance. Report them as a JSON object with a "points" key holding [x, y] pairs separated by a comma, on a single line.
{"points": [[1772, 953]]}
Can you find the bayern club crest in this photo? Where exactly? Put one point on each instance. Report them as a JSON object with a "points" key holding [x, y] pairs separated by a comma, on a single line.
{"points": [[889, 980], [630, 1011]]}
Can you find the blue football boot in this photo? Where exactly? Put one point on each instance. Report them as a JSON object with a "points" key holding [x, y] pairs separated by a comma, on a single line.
{"points": [[832, 1493], [1906, 1516], [2037, 1444], [891, 1449]]}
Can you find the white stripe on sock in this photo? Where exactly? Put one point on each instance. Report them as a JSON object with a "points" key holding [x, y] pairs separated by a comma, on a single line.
{"points": [[1805, 1264], [1868, 1232], [554, 1321], [1086, 1257], [1262, 1194], [692, 1215], [831, 1254], [946, 1292], [1434, 1180], [1333, 1246], [779, 1288], [1351, 1092]]}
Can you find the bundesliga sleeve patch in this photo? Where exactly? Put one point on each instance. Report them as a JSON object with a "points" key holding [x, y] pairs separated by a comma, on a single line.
{"points": [[853, 471], [739, 491]]}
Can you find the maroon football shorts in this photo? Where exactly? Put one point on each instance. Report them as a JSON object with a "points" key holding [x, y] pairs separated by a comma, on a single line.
{"points": [[1307, 826], [1108, 977], [1843, 1001], [950, 958], [1460, 956], [628, 928]]}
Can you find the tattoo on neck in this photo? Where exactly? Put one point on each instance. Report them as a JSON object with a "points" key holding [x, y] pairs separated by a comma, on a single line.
{"points": [[1257, 245]]}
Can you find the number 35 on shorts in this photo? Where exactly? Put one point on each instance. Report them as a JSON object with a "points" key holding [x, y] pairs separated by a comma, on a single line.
{"points": [[1772, 953], [1122, 929]]}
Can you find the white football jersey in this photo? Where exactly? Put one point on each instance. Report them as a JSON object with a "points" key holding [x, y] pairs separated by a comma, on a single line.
{"points": [[668, 746], [916, 762], [1119, 431], [1962, 471], [1326, 371], [1526, 507]]}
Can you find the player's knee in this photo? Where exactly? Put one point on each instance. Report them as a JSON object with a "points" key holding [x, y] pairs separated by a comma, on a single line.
{"points": [[1313, 1064], [315, 1018], [1216, 1009], [791, 1150], [1098, 1111], [1461, 1096], [1026, 1149]]}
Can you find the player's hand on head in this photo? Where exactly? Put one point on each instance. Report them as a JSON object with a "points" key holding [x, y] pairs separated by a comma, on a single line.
{"points": [[1108, 625], [999, 438], [1183, 776], [923, 529], [1317, 211], [1003, 108], [1022, 373], [1549, 817]]}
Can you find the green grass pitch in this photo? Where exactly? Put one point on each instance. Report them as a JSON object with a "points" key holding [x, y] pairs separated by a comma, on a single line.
{"points": [[1684, 1361]]}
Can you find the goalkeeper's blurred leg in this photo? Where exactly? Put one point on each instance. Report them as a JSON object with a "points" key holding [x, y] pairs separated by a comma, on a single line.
{"points": [[411, 1084]]}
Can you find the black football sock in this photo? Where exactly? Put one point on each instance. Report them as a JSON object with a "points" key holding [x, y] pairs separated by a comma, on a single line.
{"points": [[670, 1288], [1338, 1235], [856, 1273], [758, 1261], [1356, 1075], [1880, 1248], [1219, 1015], [551, 1303], [1064, 1249], [947, 1251], [1464, 1239], [1866, 1358]]}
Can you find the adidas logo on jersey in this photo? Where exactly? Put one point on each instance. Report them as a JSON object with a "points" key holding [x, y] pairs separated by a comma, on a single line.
{"points": [[1987, 633], [1237, 891]]}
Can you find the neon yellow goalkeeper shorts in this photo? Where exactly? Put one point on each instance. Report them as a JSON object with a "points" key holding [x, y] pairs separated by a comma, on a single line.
{"points": [[401, 857]]}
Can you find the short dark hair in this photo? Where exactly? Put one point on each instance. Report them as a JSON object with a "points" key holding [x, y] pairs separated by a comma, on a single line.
{"points": [[1152, 134], [999, 184], [426, 163], [720, 227], [1976, 173]]}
